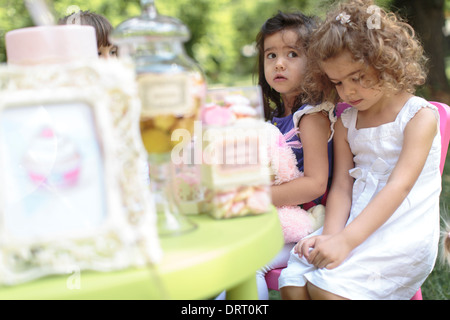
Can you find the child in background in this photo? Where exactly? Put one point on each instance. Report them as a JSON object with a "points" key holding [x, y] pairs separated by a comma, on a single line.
{"points": [[381, 232], [102, 28], [282, 43]]}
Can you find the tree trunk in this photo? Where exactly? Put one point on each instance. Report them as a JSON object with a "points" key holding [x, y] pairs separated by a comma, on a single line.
{"points": [[427, 19]]}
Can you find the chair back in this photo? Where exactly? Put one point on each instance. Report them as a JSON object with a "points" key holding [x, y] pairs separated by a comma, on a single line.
{"points": [[444, 114]]}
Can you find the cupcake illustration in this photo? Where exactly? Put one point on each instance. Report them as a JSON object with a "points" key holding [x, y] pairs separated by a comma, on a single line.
{"points": [[52, 159]]}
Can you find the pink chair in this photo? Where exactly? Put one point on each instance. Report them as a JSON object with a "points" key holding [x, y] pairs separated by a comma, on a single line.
{"points": [[444, 113]]}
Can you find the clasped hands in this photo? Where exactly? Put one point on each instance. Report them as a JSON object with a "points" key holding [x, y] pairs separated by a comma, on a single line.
{"points": [[324, 251]]}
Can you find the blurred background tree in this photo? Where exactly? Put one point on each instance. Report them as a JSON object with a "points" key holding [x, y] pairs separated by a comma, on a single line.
{"points": [[428, 20], [223, 31]]}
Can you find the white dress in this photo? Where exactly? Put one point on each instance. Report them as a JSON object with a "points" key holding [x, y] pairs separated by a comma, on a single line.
{"points": [[396, 259]]}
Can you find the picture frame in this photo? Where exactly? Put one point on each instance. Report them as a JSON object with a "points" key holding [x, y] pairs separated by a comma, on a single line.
{"points": [[76, 193]]}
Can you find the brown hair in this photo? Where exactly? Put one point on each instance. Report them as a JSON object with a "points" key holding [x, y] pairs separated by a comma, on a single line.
{"points": [[303, 26], [101, 25], [378, 39]]}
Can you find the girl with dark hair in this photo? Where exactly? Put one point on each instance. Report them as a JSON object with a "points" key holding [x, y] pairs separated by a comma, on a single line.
{"points": [[307, 128], [102, 28]]}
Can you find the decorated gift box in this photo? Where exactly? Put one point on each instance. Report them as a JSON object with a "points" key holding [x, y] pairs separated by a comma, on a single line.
{"points": [[235, 173]]}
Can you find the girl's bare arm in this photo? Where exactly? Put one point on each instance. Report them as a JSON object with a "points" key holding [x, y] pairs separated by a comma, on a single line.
{"points": [[314, 132]]}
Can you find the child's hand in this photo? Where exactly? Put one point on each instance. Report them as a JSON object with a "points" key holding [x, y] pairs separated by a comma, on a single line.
{"points": [[330, 252], [304, 247]]}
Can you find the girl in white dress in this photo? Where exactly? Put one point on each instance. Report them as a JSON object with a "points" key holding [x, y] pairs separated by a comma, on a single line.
{"points": [[381, 232]]}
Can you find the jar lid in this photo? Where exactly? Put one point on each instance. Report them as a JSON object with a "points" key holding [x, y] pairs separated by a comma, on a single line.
{"points": [[50, 44], [150, 26]]}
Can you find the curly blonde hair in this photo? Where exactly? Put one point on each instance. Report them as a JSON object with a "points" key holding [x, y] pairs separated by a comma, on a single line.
{"points": [[374, 37]]}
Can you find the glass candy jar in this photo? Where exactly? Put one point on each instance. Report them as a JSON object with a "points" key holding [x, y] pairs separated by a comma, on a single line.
{"points": [[172, 89]]}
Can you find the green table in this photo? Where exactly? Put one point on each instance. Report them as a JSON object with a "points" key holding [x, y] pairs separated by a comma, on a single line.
{"points": [[218, 255]]}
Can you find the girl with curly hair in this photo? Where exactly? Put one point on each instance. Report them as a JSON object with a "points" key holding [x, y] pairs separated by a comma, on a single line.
{"points": [[381, 233]]}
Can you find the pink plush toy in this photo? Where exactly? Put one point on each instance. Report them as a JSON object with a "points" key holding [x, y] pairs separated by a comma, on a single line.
{"points": [[295, 222]]}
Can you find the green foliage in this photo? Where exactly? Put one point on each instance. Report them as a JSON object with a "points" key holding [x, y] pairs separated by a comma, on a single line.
{"points": [[13, 14], [222, 30]]}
